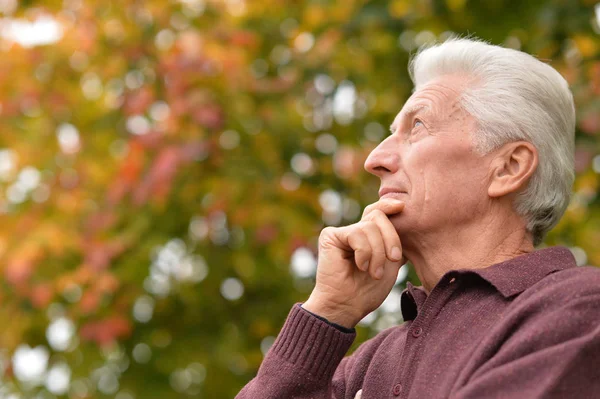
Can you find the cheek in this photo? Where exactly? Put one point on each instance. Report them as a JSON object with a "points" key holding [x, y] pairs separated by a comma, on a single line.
{"points": [[462, 187], [448, 178]]}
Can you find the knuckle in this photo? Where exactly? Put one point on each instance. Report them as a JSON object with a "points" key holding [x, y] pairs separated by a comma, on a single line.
{"points": [[378, 214], [375, 214], [366, 225], [381, 218], [378, 254], [369, 208], [327, 236], [327, 232], [330, 229], [363, 251]]}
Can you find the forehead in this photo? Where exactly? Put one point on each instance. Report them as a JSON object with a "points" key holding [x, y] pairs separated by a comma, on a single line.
{"points": [[437, 96]]}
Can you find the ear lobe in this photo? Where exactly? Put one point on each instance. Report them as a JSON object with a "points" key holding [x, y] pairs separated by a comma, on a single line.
{"points": [[511, 169]]}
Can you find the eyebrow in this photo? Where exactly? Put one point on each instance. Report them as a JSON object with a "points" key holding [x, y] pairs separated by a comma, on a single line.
{"points": [[410, 112]]}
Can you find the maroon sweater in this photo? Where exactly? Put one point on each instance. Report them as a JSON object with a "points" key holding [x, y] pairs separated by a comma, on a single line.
{"points": [[525, 328]]}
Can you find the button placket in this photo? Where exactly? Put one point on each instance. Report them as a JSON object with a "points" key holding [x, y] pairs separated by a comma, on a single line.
{"points": [[432, 306], [417, 332]]}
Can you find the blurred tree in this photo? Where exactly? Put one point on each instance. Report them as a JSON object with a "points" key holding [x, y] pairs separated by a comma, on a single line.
{"points": [[166, 168]]}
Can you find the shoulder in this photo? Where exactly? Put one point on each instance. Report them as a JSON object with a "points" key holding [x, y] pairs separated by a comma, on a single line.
{"points": [[583, 280], [565, 288], [562, 306]]}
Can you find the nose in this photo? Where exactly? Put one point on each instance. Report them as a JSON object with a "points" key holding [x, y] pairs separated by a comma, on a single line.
{"points": [[385, 158]]}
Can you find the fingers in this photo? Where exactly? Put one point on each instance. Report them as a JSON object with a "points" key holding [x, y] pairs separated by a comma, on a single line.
{"points": [[391, 240], [389, 206], [378, 254], [378, 212], [372, 241], [367, 241], [360, 244]]}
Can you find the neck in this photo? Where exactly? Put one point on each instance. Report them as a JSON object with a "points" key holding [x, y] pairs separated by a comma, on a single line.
{"points": [[473, 247]]}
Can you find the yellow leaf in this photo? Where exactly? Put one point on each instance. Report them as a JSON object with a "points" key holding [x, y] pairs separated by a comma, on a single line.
{"points": [[455, 5], [586, 45], [314, 16], [399, 8]]}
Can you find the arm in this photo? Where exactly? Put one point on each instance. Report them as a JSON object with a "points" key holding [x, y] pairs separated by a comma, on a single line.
{"points": [[557, 357], [357, 268], [302, 361], [291, 369]]}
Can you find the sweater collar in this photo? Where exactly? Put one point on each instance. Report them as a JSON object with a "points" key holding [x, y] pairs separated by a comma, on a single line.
{"points": [[510, 277], [514, 276]]}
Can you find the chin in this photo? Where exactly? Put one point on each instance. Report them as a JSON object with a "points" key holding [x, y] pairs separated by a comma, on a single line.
{"points": [[401, 222], [405, 224]]}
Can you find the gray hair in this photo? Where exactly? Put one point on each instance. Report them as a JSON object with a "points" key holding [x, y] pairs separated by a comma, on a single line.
{"points": [[513, 96]]}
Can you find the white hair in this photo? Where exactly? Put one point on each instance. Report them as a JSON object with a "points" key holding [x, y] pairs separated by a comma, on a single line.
{"points": [[513, 96]]}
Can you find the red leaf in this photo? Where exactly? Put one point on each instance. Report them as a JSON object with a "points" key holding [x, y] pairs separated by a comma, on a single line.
{"points": [[590, 123], [41, 295], [18, 271], [137, 102], [210, 116], [105, 332]]}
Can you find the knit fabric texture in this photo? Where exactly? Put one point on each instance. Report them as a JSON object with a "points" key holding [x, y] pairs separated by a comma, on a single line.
{"points": [[525, 328]]}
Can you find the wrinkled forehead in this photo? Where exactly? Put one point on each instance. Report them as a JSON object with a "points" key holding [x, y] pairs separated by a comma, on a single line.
{"points": [[409, 110], [439, 96]]}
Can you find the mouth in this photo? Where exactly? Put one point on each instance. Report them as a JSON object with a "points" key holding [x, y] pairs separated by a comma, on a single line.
{"points": [[391, 193]]}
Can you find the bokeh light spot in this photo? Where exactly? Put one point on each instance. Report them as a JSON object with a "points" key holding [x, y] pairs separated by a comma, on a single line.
{"points": [[324, 84], [580, 255], [232, 289], [68, 138], [290, 182], [60, 333], [343, 103], [326, 143], [29, 364], [160, 111], [138, 125], [91, 86], [303, 263], [164, 39], [266, 344], [304, 42], [143, 309], [229, 139], [8, 159], [141, 353], [302, 164], [58, 379], [596, 164]]}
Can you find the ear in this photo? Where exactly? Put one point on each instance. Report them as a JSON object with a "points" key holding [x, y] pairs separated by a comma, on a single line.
{"points": [[511, 168]]}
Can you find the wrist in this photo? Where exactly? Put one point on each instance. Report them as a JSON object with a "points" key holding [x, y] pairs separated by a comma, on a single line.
{"points": [[332, 313]]}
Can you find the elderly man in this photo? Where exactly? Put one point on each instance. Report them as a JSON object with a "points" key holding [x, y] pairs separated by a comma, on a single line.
{"points": [[478, 167]]}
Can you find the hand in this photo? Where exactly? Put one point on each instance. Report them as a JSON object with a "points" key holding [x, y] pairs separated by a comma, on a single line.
{"points": [[358, 265]]}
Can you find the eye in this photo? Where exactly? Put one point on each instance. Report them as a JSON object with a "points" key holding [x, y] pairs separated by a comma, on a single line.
{"points": [[417, 122]]}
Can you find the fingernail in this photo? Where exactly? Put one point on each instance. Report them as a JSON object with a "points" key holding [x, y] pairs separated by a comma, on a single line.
{"points": [[379, 273], [396, 253], [365, 266]]}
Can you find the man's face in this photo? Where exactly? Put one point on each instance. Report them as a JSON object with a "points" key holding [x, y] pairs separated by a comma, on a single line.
{"points": [[430, 163]]}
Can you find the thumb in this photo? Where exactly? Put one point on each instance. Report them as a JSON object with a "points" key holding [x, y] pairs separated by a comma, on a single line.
{"points": [[391, 269]]}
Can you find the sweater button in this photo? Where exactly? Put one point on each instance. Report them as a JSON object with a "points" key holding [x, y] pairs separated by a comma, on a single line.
{"points": [[417, 332], [397, 389]]}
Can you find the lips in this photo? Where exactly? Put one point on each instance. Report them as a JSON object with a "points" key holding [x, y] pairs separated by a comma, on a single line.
{"points": [[389, 192]]}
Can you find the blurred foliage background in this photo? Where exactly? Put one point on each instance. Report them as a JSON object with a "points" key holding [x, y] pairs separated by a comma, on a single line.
{"points": [[166, 168]]}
